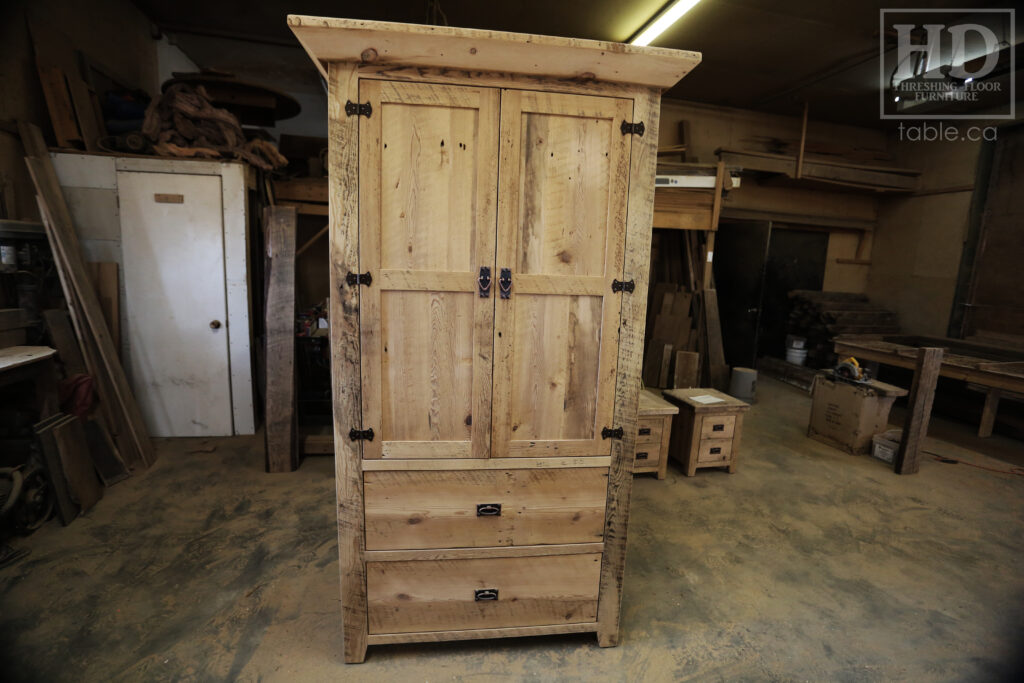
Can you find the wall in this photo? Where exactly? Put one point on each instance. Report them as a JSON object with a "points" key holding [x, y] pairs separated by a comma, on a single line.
{"points": [[709, 128], [113, 34], [920, 238]]}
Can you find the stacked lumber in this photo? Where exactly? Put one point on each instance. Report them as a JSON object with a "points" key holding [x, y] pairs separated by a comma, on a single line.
{"points": [[119, 412], [184, 123], [671, 327], [819, 316]]}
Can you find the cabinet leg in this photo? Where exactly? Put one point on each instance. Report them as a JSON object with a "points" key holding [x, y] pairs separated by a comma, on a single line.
{"points": [[691, 469], [732, 468], [607, 639], [988, 413], [355, 654]]}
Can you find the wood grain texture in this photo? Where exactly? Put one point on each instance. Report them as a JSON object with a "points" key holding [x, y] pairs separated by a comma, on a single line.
{"points": [[62, 336], [281, 428], [343, 168], [428, 166], [410, 510], [561, 221], [485, 464], [357, 41], [437, 595], [478, 634], [476, 553], [922, 393], [632, 320]]}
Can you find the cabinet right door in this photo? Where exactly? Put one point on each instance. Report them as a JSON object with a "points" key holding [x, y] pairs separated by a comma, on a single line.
{"points": [[563, 180]]}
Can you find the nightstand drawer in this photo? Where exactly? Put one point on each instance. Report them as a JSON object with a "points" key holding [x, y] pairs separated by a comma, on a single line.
{"points": [[647, 456], [714, 450], [412, 510], [717, 426], [649, 430], [449, 595]]}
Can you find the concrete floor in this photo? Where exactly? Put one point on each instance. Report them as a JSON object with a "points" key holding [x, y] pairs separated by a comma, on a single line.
{"points": [[807, 564]]}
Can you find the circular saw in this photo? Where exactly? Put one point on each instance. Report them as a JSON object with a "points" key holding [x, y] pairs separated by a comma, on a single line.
{"points": [[850, 370]]}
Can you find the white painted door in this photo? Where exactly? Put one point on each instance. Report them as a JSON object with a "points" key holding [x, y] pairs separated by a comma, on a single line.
{"points": [[172, 239]]}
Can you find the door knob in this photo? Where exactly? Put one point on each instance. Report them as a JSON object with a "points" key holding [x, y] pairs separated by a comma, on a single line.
{"points": [[214, 324]]}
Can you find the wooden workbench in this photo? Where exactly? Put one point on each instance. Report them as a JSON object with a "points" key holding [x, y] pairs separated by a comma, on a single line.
{"points": [[995, 368]]}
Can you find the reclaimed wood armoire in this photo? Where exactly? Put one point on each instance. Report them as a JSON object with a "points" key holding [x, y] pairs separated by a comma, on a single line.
{"points": [[491, 198]]}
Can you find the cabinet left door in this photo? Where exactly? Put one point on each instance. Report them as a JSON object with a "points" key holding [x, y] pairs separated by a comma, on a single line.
{"points": [[428, 166]]}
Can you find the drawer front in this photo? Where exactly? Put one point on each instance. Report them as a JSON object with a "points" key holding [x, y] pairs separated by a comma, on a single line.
{"points": [[647, 455], [447, 595], [649, 430], [411, 510], [717, 426], [714, 450]]}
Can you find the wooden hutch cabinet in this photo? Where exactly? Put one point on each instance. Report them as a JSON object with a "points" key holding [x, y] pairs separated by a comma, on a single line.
{"points": [[491, 198]]}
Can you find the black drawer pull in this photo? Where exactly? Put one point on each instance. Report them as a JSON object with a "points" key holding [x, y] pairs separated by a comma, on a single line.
{"points": [[482, 594], [716, 450], [718, 428], [645, 430], [488, 509], [641, 456]]}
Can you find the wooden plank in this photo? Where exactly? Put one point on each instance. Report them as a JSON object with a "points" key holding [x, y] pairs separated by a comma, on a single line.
{"points": [[717, 366], [487, 464], [356, 41], [65, 245], [17, 356], [281, 429], [437, 595], [67, 508], [302, 190], [58, 102], [988, 412], [343, 169], [922, 393], [84, 486], [306, 208], [803, 142], [104, 453], [418, 510], [105, 283], [58, 326], [84, 112], [475, 553], [478, 634], [687, 370], [632, 316]]}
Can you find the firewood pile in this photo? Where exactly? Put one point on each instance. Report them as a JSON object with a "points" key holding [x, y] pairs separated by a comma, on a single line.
{"points": [[183, 123], [819, 316]]}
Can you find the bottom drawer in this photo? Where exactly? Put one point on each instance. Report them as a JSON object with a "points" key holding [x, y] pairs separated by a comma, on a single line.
{"points": [[445, 595], [714, 450], [647, 455]]}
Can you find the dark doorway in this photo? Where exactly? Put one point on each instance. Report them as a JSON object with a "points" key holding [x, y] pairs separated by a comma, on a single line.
{"points": [[757, 264], [741, 251], [796, 260]]}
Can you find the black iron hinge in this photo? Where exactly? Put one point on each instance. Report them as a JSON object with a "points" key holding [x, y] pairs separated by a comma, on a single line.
{"points": [[359, 109], [608, 433], [360, 434], [354, 279], [627, 286], [628, 128]]}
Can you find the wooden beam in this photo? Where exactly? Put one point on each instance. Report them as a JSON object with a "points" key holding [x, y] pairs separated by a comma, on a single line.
{"points": [[281, 432], [311, 241], [922, 393], [803, 144], [988, 413], [379, 42]]}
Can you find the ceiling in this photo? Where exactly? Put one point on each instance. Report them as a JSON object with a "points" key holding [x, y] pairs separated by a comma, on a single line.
{"points": [[768, 55]]}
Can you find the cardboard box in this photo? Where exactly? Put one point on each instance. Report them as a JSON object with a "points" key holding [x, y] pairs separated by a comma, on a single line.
{"points": [[886, 444], [846, 415]]}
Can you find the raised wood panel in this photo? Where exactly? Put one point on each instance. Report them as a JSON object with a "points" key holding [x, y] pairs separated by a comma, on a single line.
{"points": [[717, 426], [438, 509], [428, 168], [561, 224], [438, 595]]}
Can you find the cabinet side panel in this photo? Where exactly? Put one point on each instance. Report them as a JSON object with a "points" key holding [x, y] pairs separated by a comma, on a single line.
{"points": [[633, 314], [343, 164]]}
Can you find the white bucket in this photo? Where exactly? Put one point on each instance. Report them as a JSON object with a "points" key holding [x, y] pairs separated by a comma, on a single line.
{"points": [[796, 356], [743, 384]]}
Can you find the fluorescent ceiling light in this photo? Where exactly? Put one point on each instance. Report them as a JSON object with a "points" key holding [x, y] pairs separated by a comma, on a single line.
{"points": [[670, 16]]}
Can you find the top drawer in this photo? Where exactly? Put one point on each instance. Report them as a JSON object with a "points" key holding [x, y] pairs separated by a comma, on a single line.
{"points": [[410, 510], [717, 426]]}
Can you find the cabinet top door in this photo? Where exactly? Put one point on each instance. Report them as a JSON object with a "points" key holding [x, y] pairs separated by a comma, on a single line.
{"points": [[563, 182], [428, 172]]}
